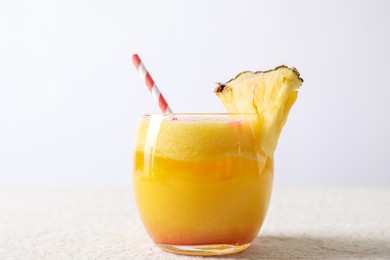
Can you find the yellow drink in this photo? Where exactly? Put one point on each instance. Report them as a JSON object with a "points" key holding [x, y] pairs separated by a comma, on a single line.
{"points": [[201, 180]]}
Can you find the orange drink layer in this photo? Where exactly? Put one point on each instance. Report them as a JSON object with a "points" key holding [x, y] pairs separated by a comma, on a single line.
{"points": [[201, 179]]}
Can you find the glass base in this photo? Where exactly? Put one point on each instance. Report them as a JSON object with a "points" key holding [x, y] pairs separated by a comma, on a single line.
{"points": [[203, 250]]}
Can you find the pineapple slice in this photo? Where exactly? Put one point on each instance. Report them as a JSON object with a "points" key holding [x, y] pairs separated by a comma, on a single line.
{"points": [[270, 94]]}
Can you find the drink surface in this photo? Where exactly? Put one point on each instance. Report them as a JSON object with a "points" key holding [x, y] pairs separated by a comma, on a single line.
{"points": [[201, 180]]}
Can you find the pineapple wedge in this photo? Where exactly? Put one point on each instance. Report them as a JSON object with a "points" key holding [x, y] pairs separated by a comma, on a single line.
{"points": [[270, 94]]}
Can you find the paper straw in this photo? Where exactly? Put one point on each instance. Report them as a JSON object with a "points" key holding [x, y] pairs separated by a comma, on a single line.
{"points": [[156, 93]]}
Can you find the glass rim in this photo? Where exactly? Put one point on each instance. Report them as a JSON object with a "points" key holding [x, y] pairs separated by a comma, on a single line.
{"points": [[198, 114]]}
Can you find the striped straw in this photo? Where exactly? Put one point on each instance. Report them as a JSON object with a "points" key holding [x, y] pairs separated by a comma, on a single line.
{"points": [[143, 72]]}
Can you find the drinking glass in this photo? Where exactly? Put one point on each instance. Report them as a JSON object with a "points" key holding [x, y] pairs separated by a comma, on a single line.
{"points": [[202, 183]]}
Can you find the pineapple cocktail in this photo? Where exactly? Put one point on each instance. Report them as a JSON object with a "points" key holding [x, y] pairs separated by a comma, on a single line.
{"points": [[203, 181]]}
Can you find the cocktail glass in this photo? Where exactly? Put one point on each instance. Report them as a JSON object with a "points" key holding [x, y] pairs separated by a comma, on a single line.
{"points": [[202, 183]]}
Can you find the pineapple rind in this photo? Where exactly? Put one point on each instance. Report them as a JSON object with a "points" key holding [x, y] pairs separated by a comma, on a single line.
{"points": [[221, 86]]}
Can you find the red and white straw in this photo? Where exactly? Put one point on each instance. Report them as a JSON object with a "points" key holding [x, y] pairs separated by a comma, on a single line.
{"points": [[143, 72]]}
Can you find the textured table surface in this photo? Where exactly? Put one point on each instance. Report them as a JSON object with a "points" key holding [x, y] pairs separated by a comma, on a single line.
{"points": [[302, 223]]}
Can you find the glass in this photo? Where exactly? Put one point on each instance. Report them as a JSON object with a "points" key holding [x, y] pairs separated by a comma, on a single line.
{"points": [[202, 183]]}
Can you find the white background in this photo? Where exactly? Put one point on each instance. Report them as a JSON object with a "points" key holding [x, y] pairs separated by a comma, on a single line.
{"points": [[70, 98]]}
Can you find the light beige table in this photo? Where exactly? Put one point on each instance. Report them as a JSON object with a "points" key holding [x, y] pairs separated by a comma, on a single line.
{"points": [[307, 223]]}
